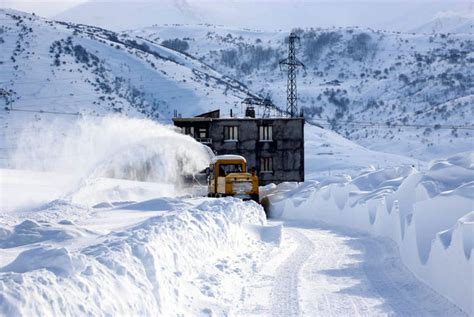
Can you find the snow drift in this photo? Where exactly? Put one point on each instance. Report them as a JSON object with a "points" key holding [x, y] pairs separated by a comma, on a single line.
{"points": [[168, 257], [428, 214]]}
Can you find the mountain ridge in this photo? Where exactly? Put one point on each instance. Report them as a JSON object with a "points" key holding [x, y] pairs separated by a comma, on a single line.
{"points": [[387, 79]]}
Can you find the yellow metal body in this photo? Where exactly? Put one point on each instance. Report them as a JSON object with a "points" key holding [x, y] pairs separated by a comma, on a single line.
{"points": [[229, 177]]}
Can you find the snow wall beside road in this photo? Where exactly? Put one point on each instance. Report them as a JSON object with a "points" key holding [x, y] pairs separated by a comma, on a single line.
{"points": [[429, 215], [176, 263]]}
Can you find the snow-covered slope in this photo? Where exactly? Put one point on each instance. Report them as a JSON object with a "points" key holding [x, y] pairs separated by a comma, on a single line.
{"points": [[367, 85], [52, 70], [329, 154]]}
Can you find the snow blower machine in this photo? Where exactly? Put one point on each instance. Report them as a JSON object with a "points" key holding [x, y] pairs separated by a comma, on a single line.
{"points": [[228, 176]]}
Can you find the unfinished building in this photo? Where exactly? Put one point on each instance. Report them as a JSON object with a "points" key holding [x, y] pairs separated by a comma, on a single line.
{"points": [[273, 146]]}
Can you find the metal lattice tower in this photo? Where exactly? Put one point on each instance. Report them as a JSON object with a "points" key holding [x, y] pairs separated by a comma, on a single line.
{"points": [[292, 64]]}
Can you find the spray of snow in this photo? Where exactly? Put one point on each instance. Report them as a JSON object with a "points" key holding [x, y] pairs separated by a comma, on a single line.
{"points": [[92, 150]]}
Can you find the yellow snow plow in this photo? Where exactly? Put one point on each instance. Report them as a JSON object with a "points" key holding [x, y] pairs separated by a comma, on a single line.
{"points": [[228, 176]]}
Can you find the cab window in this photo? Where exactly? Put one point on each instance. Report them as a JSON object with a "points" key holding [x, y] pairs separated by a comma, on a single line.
{"points": [[225, 169]]}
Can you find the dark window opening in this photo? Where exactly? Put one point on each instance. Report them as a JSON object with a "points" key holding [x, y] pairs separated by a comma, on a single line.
{"points": [[202, 133], [266, 164], [188, 131], [266, 133], [231, 133]]}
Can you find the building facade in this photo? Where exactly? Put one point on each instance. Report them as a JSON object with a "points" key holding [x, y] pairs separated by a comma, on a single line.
{"points": [[273, 146]]}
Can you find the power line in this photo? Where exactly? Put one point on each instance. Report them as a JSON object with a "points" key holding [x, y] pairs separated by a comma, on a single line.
{"points": [[48, 112], [323, 122], [79, 114], [391, 125]]}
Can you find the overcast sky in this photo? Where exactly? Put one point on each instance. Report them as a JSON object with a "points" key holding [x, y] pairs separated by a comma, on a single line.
{"points": [[51, 8], [116, 14], [40, 7]]}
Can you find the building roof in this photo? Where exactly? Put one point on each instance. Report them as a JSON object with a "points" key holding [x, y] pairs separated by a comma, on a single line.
{"points": [[210, 114], [203, 119], [228, 157], [194, 119]]}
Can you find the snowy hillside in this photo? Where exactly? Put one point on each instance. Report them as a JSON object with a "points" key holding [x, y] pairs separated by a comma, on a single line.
{"points": [[367, 85], [52, 70]]}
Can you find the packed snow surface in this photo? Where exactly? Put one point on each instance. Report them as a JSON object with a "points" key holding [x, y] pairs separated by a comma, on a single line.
{"points": [[327, 270]]}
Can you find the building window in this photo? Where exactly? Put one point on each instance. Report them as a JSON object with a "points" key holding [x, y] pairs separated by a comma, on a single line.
{"points": [[188, 130], [202, 133], [266, 164], [266, 133], [231, 133]]}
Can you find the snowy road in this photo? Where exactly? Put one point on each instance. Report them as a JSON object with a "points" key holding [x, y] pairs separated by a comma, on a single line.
{"points": [[321, 270]]}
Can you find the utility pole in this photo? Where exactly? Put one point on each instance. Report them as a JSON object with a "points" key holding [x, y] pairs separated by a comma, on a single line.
{"points": [[292, 63]]}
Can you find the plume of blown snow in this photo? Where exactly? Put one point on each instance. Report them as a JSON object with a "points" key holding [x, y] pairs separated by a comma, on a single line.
{"points": [[110, 147]]}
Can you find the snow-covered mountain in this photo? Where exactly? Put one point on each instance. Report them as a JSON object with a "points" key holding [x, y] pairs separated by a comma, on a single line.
{"points": [[448, 22], [285, 14], [370, 86], [53, 61], [56, 72], [53, 69]]}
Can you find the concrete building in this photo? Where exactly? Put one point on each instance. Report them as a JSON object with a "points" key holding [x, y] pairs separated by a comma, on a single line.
{"points": [[273, 146]]}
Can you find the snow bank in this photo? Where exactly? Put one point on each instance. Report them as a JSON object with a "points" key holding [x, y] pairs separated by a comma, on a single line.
{"points": [[429, 215], [185, 257]]}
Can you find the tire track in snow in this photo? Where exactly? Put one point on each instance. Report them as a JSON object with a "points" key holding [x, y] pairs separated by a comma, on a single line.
{"points": [[285, 288], [326, 270], [352, 274]]}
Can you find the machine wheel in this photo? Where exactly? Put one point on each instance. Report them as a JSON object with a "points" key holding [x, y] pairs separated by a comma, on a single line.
{"points": [[255, 197]]}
